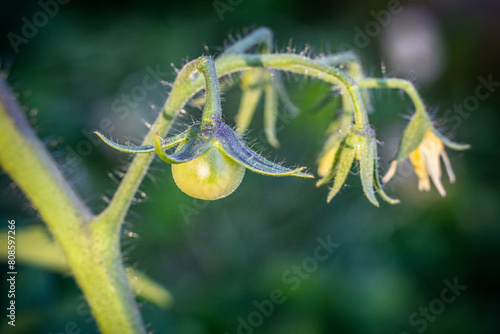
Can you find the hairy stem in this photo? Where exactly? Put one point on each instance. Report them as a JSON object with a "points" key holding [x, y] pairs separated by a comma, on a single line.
{"points": [[261, 35], [94, 259], [340, 59], [301, 65], [405, 85], [185, 86], [212, 113]]}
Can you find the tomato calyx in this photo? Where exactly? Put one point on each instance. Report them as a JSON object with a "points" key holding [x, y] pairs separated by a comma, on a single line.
{"points": [[210, 158]]}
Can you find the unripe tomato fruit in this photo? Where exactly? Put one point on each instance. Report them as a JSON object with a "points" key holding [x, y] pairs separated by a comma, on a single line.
{"points": [[210, 176]]}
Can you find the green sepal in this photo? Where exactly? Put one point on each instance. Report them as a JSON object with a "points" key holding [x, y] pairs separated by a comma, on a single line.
{"points": [[231, 145], [252, 86], [378, 184], [167, 143], [449, 143], [196, 145], [249, 100], [413, 135], [380, 189], [271, 115], [337, 131], [367, 155], [333, 169], [329, 151], [283, 94], [345, 163]]}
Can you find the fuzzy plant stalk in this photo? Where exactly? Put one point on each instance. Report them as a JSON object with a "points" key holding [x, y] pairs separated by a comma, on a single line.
{"points": [[92, 254], [209, 159]]}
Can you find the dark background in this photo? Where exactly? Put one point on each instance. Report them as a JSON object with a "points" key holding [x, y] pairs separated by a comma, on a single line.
{"points": [[391, 261]]}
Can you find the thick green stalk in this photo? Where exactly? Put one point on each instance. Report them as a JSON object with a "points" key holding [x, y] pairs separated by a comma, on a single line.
{"points": [[94, 258], [35, 247]]}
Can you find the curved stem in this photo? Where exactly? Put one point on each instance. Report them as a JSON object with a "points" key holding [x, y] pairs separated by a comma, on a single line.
{"points": [[340, 59], [261, 35], [343, 59], [300, 65], [212, 113], [405, 85], [354, 69]]}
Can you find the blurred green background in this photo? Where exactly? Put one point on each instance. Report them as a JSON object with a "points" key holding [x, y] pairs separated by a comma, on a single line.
{"points": [[218, 258]]}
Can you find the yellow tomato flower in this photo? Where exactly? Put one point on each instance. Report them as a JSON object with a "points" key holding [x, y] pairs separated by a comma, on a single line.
{"points": [[426, 162]]}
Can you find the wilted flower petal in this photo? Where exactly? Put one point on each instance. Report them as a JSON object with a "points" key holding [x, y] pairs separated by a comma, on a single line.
{"points": [[431, 150], [418, 162], [424, 146]]}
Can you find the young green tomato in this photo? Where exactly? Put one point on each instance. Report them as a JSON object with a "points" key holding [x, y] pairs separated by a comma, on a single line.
{"points": [[210, 176]]}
